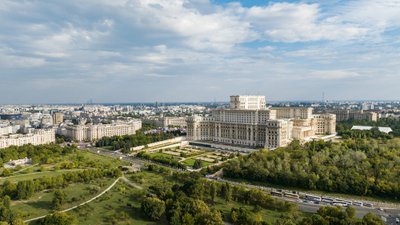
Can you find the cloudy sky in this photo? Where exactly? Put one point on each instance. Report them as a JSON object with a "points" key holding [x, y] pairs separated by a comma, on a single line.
{"points": [[54, 51]]}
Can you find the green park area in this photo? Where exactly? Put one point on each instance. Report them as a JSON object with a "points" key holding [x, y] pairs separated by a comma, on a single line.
{"points": [[185, 157], [91, 188], [58, 178]]}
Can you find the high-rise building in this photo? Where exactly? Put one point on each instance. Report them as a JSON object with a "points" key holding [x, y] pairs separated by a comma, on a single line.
{"points": [[247, 102], [58, 118]]}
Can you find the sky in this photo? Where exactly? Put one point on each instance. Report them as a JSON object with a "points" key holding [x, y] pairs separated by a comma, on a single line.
{"points": [[54, 51]]}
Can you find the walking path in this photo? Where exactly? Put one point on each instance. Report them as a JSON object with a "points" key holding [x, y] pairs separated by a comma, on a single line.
{"points": [[131, 183], [25, 168], [92, 199]]}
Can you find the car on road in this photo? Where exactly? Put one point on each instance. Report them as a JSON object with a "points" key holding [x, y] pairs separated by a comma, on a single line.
{"points": [[367, 204], [312, 197], [355, 203], [327, 200], [340, 204]]}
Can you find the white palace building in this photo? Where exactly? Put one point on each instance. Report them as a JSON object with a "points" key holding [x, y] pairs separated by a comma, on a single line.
{"points": [[248, 122]]}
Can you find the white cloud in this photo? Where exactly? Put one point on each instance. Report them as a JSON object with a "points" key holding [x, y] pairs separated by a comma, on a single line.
{"points": [[298, 22], [216, 30], [332, 74], [9, 59], [120, 44], [376, 15]]}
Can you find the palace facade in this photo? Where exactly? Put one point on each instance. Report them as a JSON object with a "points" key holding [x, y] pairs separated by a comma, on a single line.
{"points": [[248, 122]]}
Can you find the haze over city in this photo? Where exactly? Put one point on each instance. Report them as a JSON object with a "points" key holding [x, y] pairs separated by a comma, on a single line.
{"points": [[198, 50]]}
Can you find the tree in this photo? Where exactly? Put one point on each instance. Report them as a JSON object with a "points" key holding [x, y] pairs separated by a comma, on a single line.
{"points": [[59, 199], [25, 189], [197, 164], [372, 219], [6, 201], [213, 191], [212, 218], [227, 192], [241, 216], [18, 222], [350, 211], [58, 218], [6, 172], [153, 208], [188, 219]]}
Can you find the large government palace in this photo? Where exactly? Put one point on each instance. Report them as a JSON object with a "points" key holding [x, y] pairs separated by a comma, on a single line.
{"points": [[248, 122]]}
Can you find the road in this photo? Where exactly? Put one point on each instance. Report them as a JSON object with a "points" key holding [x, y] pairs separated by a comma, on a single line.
{"points": [[389, 214], [136, 162]]}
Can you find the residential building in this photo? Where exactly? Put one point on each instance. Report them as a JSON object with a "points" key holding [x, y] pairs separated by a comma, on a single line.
{"points": [[91, 132], [171, 121], [346, 114], [35, 137]]}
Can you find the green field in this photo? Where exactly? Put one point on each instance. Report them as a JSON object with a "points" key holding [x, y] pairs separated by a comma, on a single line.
{"points": [[121, 206], [190, 162], [147, 179], [31, 176], [85, 155], [160, 154], [40, 203]]}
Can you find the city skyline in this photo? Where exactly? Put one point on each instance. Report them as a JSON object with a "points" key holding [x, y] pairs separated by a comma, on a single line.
{"points": [[198, 50]]}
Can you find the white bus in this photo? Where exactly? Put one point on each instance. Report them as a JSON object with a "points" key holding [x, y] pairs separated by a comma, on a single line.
{"points": [[327, 200], [357, 203], [277, 193], [312, 198], [291, 195]]}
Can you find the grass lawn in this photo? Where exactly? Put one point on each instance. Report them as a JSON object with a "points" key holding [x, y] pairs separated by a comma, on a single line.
{"points": [[40, 203], [120, 206], [19, 177], [85, 155], [110, 148], [147, 179], [160, 154], [190, 162]]}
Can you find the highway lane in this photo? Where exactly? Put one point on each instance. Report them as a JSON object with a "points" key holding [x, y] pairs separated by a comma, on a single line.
{"points": [[389, 215]]}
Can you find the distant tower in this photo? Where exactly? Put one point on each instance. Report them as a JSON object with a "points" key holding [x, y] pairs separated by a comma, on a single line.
{"points": [[323, 97]]}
